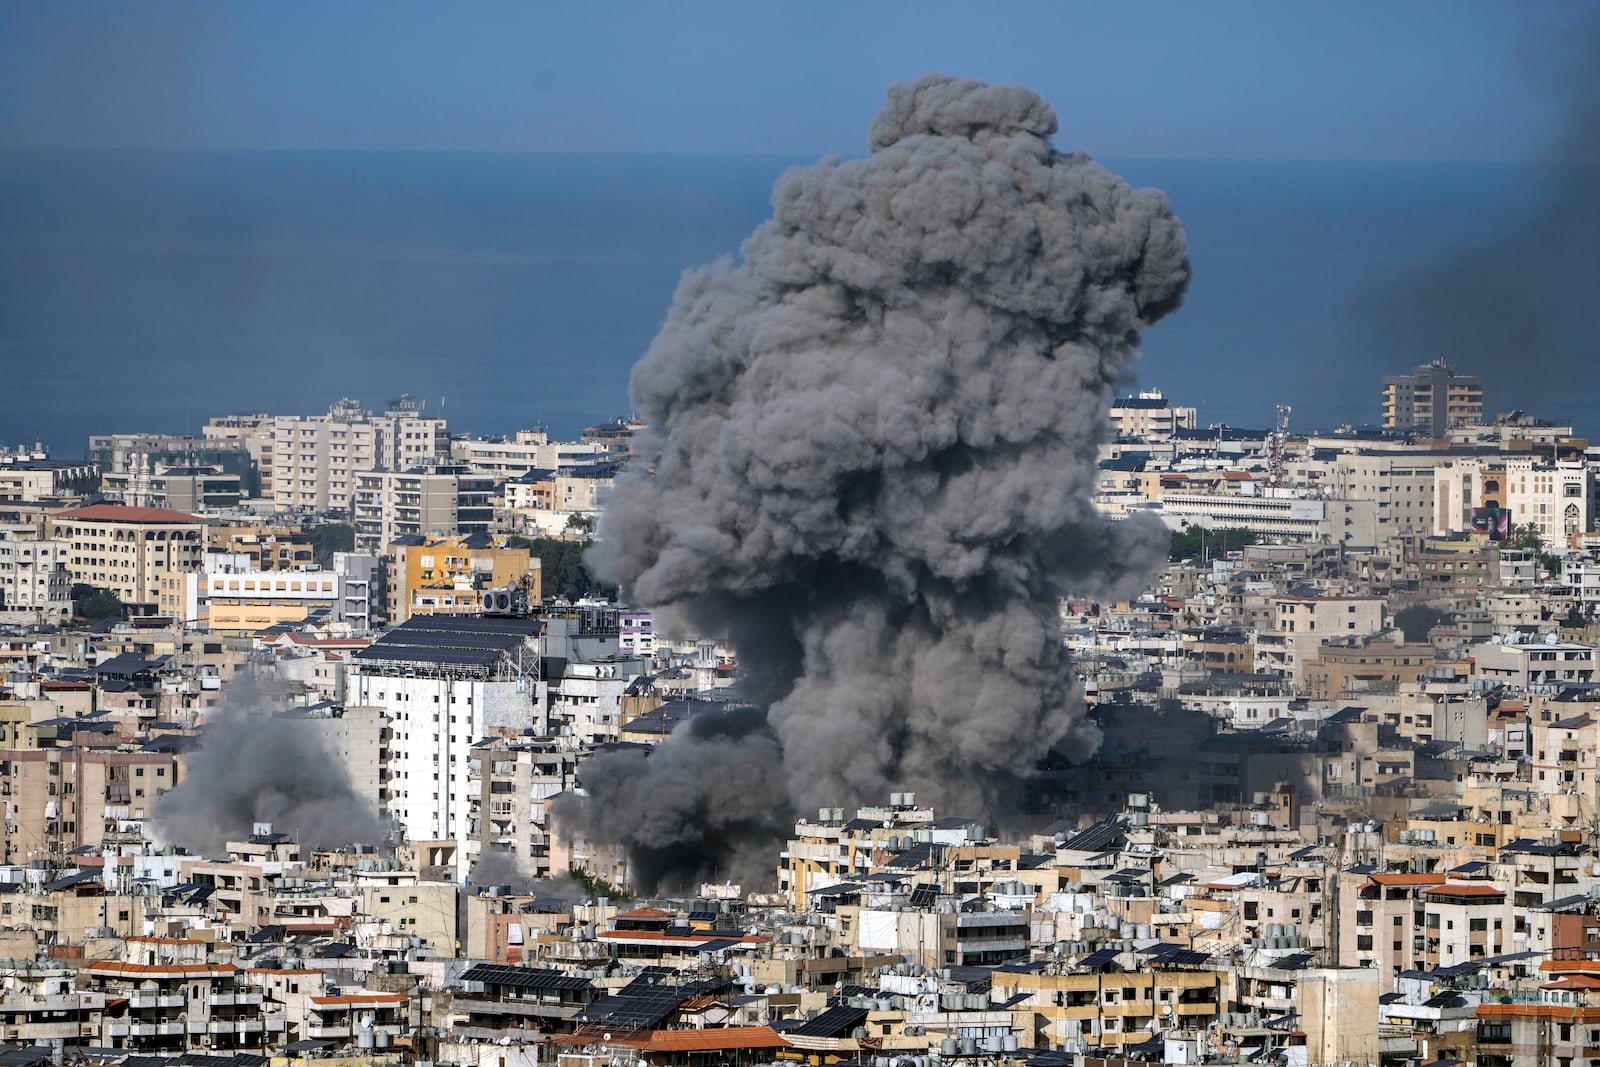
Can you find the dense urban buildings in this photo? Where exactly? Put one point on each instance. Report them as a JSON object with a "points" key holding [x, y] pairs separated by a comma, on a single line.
{"points": [[1342, 810]]}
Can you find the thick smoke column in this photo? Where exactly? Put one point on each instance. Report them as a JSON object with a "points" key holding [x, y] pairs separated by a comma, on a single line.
{"points": [[705, 804], [254, 766], [1516, 306], [874, 439]]}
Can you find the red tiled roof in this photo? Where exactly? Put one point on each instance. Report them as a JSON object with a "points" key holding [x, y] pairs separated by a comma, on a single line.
{"points": [[353, 999], [118, 513], [647, 913], [710, 1039], [1570, 965], [117, 967], [1407, 879], [1465, 891], [713, 1039]]}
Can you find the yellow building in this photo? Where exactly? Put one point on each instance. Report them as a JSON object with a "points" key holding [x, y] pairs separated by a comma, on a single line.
{"points": [[445, 575], [1111, 1007], [251, 601]]}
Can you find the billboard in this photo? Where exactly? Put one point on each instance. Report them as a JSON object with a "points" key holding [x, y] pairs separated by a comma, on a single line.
{"points": [[1496, 522]]}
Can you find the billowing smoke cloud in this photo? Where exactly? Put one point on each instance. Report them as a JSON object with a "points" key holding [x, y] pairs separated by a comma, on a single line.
{"points": [[495, 867], [256, 766], [1514, 307], [705, 804], [874, 440]]}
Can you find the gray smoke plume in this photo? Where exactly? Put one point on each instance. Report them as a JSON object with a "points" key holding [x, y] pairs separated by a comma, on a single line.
{"points": [[1514, 307], [494, 867], [705, 804], [254, 765], [873, 441]]}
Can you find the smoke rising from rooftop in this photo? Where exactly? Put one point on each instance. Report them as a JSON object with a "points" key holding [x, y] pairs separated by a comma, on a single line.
{"points": [[255, 766], [874, 440]]}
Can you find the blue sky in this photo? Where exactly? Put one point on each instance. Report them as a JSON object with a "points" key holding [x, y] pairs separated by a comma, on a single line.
{"points": [[1417, 81]]}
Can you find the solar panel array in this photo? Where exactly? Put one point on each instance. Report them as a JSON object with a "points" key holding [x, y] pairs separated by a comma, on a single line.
{"points": [[1176, 955], [924, 894], [445, 639], [469, 624], [523, 977], [834, 1022], [643, 1011], [454, 657], [1098, 958]]}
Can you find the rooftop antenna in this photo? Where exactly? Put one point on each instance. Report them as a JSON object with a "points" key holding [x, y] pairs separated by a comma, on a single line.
{"points": [[1277, 448]]}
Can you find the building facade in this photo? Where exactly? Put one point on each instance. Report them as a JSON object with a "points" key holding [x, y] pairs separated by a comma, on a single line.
{"points": [[1432, 399]]}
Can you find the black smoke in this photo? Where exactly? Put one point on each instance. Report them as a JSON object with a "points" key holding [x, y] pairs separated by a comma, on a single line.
{"points": [[706, 804], [1512, 306], [872, 443]]}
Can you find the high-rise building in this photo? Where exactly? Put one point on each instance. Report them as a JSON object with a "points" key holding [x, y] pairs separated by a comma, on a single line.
{"points": [[1432, 398], [443, 499], [314, 460]]}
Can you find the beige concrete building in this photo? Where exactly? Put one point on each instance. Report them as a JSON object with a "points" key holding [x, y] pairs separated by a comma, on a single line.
{"points": [[314, 460], [514, 780], [57, 799], [126, 550], [438, 499], [251, 601], [34, 582], [1149, 414], [1432, 398]]}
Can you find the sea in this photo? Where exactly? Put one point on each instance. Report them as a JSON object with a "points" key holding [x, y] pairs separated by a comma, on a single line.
{"points": [[150, 291]]}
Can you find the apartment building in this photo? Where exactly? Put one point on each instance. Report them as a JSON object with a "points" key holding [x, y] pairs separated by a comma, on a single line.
{"points": [[314, 460], [446, 682], [1111, 1007], [514, 781], [1556, 498], [438, 499], [1432, 399], [1150, 414], [421, 569], [1533, 663], [127, 550], [1302, 624], [120, 455], [1399, 483], [34, 581], [47, 479], [58, 799], [527, 450]]}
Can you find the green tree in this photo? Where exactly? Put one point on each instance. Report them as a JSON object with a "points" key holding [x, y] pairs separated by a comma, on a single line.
{"points": [[1198, 542], [597, 886], [1524, 537], [95, 604], [328, 539], [1527, 538], [562, 571]]}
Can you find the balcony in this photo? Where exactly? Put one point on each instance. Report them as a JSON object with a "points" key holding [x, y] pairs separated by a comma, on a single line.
{"points": [[141, 1001], [234, 1026], [224, 1000]]}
